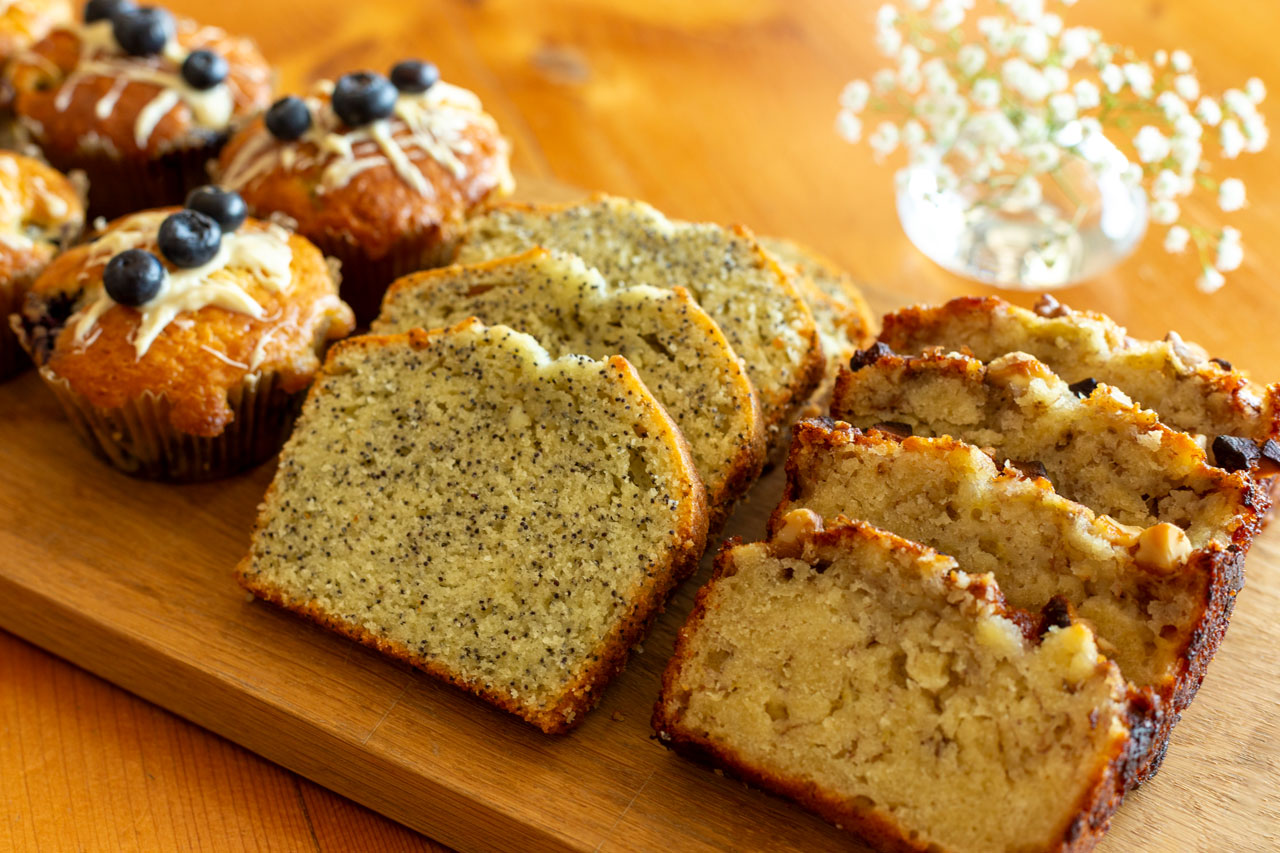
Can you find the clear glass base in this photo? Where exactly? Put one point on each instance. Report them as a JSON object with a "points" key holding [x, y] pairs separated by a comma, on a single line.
{"points": [[1073, 224]]}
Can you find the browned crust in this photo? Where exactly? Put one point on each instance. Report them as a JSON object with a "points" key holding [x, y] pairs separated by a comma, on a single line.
{"points": [[779, 408], [740, 472], [1093, 811], [1242, 491], [1219, 570], [38, 77], [915, 328], [578, 696], [850, 308]]}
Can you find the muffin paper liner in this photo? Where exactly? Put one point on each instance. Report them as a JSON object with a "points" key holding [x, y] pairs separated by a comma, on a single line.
{"points": [[139, 440], [117, 187], [365, 279]]}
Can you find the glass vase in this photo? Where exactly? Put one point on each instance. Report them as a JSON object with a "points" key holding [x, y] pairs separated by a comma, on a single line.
{"points": [[1021, 229]]}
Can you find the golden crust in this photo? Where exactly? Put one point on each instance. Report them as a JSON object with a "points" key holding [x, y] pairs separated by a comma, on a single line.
{"points": [[1093, 812], [193, 365], [24, 22], [1084, 344], [688, 541], [38, 76], [376, 212]]}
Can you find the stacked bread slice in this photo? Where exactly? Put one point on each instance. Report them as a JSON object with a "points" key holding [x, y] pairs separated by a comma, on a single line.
{"points": [[817, 666], [1190, 391], [503, 520], [678, 350], [869, 678], [726, 270]]}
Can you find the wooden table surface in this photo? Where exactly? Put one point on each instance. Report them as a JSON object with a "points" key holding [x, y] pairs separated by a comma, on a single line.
{"points": [[710, 109]]}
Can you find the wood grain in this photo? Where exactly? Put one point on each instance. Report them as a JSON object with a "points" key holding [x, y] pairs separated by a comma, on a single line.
{"points": [[720, 109]]}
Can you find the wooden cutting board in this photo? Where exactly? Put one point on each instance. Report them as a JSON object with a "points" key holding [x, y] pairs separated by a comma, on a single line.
{"points": [[132, 580]]}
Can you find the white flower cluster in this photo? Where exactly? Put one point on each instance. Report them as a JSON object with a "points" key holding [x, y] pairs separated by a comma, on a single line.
{"points": [[1011, 95]]}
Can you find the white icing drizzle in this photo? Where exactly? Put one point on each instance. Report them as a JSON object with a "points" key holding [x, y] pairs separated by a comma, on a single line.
{"points": [[265, 255], [100, 55], [430, 125]]}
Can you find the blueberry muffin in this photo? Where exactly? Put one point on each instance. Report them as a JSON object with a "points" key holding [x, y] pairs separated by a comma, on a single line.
{"points": [[24, 22], [179, 341], [378, 172], [138, 99], [40, 212]]}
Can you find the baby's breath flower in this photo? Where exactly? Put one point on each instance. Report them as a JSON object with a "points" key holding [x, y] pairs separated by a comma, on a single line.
{"points": [[1187, 86], [1112, 77], [1075, 44], [913, 134], [1181, 61], [1051, 24], [948, 15], [1087, 94], [884, 139], [1231, 195], [1176, 239], [1042, 157], [910, 79], [1026, 194], [1239, 103], [1256, 90], [1172, 106], [1161, 58], [1257, 134], [971, 59], [1168, 184], [1209, 112], [1165, 211], [1231, 138], [884, 81], [854, 96], [1151, 144], [986, 93], [1210, 280], [1034, 44], [1063, 107], [1057, 78], [1186, 152], [849, 126], [1230, 256], [889, 41], [1187, 126], [1027, 10], [1139, 77]]}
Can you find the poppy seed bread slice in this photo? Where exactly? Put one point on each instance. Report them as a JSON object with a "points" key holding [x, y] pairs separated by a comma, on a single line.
{"points": [[1190, 391], [729, 274], [1100, 450], [1158, 607], [869, 679], [678, 350], [844, 321], [504, 521]]}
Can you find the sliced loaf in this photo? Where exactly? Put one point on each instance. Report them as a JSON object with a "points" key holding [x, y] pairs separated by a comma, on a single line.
{"points": [[679, 351], [504, 521], [726, 270], [1190, 391], [866, 677], [1099, 450], [1159, 607]]}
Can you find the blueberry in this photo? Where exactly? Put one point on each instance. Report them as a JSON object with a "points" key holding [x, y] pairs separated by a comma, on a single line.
{"points": [[414, 76], [101, 10], [133, 277], [204, 69], [189, 238], [224, 207], [363, 97], [288, 118], [143, 31]]}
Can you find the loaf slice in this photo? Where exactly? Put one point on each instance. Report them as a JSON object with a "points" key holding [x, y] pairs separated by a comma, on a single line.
{"points": [[1159, 607], [1099, 450], [679, 351], [501, 520], [725, 269], [866, 677], [1190, 391], [844, 321]]}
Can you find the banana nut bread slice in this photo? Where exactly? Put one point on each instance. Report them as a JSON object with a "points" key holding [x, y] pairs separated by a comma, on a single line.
{"points": [[729, 274], [501, 520], [678, 350], [869, 679], [1189, 390], [1099, 450], [1159, 608]]}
